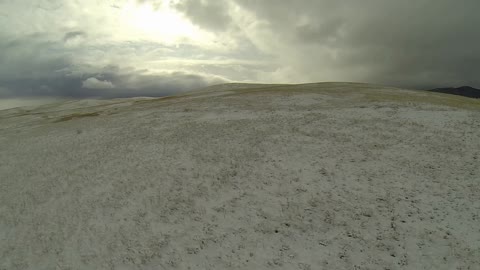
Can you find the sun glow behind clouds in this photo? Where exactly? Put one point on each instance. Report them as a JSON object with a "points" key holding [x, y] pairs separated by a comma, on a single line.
{"points": [[160, 23]]}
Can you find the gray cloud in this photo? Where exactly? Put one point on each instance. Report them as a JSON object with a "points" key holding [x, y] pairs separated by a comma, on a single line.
{"points": [[73, 35], [31, 56], [416, 44], [74, 38], [37, 66], [213, 15], [41, 65], [58, 48], [110, 83]]}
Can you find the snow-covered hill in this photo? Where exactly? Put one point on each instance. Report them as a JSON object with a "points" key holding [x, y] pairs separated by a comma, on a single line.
{"points": [[315, 176]]}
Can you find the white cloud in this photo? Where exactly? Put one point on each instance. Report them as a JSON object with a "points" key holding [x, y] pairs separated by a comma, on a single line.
{"points": [[94, 83]]}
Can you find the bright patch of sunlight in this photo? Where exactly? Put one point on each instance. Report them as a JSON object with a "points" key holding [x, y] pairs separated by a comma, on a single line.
{"points": [[160, 22]]}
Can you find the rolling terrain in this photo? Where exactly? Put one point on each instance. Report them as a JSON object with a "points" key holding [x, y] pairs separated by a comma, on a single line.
{"points": [[465, 91], [311, 176]]}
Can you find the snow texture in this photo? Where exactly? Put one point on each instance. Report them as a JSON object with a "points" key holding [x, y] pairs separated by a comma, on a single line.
{"points": [[318, 176]]}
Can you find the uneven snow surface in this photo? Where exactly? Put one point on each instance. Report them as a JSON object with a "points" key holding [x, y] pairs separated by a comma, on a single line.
{"points": [[318, 176]]}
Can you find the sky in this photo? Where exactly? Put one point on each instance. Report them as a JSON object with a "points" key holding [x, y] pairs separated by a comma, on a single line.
{"points": [[125, 48]]}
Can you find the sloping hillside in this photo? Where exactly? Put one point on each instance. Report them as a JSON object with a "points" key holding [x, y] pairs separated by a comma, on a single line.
{"points": [[465, 91], [315, 176]]}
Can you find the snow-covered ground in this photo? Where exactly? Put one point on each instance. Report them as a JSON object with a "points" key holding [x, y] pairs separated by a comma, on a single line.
{"points": [[8, 103], [317, 176]]}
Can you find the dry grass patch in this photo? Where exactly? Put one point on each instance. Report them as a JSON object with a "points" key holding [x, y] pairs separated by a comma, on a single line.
{"points": [[425, 98], [166, 98], [76, 115], [370, 93]]}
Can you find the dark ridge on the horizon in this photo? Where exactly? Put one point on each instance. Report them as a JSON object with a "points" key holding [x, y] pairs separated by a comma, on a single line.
{"points": [[465, 91]]}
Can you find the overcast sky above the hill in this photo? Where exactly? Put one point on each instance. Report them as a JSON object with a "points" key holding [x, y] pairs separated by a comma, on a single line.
{"points": [[123, 48]]}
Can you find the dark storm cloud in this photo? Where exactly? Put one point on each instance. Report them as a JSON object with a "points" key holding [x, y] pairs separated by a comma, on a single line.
{"points": [[31, 56], [74, 35], [131, 84], [209, 14], [419, 44], [107, 49], [37, 65], [109, 83]]}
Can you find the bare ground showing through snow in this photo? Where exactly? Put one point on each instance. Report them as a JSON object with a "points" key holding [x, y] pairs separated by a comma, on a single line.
{"points": [[318, 176]]}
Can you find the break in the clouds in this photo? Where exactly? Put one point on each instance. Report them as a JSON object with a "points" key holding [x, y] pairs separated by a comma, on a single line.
{"points": [[158, 47]]}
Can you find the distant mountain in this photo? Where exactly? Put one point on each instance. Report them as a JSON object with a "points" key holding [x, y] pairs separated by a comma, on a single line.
{"points": [[465, 91]]}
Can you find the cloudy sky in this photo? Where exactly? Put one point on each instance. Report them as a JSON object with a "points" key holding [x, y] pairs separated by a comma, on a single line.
{"points": [[122, 48]]}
